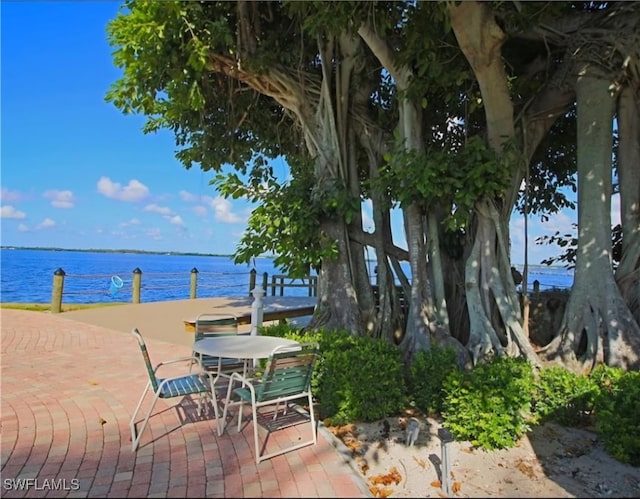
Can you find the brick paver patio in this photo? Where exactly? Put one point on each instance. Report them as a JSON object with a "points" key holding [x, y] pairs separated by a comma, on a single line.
{"points": [[68, 391]]}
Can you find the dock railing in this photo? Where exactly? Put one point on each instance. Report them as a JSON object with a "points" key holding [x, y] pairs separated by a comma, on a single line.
{"points": [[280, 282], [174, 285]]}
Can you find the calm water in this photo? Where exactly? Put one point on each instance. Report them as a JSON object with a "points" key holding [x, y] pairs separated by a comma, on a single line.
{"points": [[27, 276]]}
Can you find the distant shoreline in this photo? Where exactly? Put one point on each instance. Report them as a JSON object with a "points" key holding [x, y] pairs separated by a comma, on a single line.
{"points": [[97, 250]]}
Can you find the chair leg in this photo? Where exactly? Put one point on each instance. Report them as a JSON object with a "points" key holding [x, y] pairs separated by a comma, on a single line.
{"points": [[254, 411], [136, 435], [313, 440], [314, 434], [226, 406], [214, 402], [240, 406]]}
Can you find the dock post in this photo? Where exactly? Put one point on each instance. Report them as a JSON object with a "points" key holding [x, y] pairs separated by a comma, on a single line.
{"points": [[252, 280], [137, 283], [194, 283], [56, 291], [257, 310]]}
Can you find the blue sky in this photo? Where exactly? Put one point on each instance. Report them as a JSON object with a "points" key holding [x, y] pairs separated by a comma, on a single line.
{"points": [[77, 173]]}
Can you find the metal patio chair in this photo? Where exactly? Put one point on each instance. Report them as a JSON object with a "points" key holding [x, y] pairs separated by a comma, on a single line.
{"points": [[286, 378], [199, 383], [210, 325]]}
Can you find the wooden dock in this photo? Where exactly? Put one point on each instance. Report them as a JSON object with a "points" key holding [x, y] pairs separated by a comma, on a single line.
{"points": [[276, 308], [167, 320]]}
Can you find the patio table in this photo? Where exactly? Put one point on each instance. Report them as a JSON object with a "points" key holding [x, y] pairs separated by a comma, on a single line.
{"points": [[241, 346], [244, 347]]}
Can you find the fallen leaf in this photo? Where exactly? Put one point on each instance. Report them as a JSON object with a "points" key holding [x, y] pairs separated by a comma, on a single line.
{"points": [[387, 479], [341, 431], [421, 462], [353, 446], [455, 487], [525, 468], [436, 483], [377, 491], [364, 467]]}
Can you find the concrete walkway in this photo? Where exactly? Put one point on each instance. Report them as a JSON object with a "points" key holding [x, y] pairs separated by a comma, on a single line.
{"points": [[68, 392], [164, 320]]}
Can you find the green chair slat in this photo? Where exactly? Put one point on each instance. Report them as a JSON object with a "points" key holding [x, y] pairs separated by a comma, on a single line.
{"points": [[201, 384]]}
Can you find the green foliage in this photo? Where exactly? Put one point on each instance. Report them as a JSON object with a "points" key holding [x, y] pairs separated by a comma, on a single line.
{"points": [[612, 394], [359, 378], [564, 397], [618, 413], [285, 329], [454, 177], [491, 405], [355, 378], [427, 375], [284, 221]]}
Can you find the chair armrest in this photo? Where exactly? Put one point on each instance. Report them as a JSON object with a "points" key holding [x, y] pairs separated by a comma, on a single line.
{"points": [[239, 377], [192, 359]]}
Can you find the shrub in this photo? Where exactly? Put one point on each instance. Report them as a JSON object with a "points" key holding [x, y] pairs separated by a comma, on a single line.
{"points": [[490, 406], [358, 378], [564, 397], [427, 375], [355, 378], [617, 413]]}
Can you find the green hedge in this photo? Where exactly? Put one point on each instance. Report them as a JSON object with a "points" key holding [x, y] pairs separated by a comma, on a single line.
{"points": [[491, 405], [355, 378], [427, 375]]}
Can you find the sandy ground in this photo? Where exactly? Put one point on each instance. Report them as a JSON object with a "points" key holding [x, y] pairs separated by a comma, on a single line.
{"points": [[552, 461]]}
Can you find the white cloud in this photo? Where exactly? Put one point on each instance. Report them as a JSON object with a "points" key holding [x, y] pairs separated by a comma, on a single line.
{"points": [[175, 220], [10, 196], [46, 224], [128, 223], [200, 210], [9, 211], [223, 211], [559, 222], [60, 199], [188, 197], [162, 210], [134, 191], [23, 228], [153, 234]]}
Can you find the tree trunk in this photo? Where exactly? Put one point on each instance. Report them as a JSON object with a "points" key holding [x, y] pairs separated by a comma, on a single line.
{"points": [[422, 319], [597, 325], [628, 271], [389, 322], [328, 140], [337, 299], [491, 297]]}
